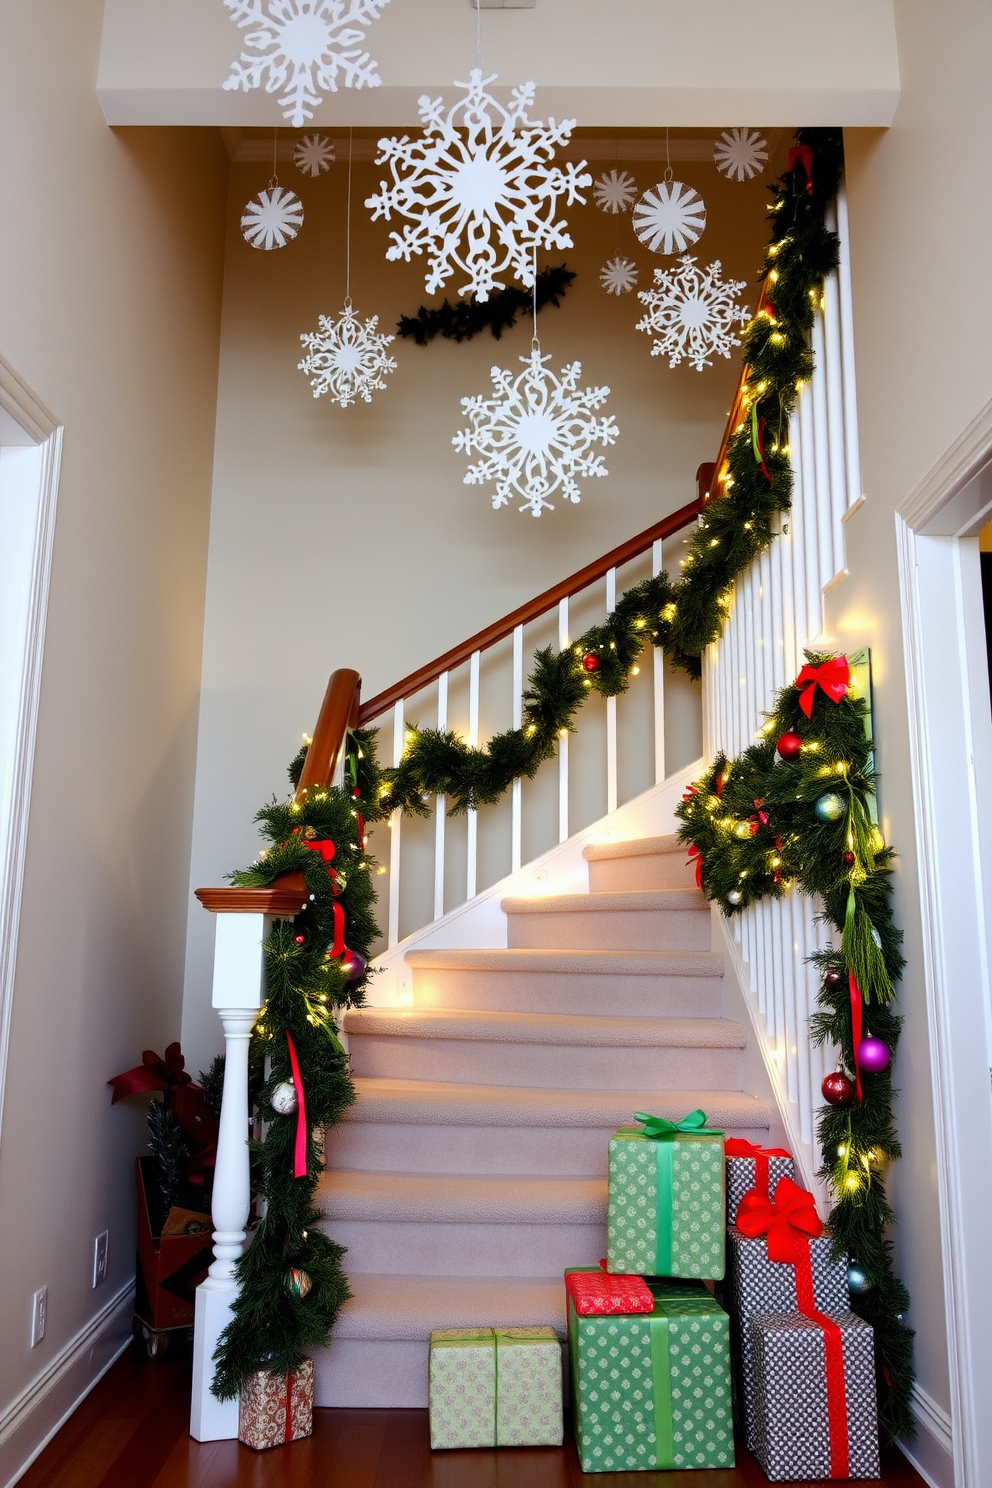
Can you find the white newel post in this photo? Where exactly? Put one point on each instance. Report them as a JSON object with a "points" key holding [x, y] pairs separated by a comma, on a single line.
{"points": [[238, 993]]}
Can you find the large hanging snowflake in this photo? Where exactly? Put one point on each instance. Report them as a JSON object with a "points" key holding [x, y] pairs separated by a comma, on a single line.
{"points": [[740, 154], [314, 154], [478, 187], [692, 312], [615, 192], [304, 46], [534, 437], [618, 275], [671, 215], [346, 358], [272, 218]]}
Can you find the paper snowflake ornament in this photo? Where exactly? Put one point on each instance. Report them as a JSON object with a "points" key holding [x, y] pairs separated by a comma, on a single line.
{"points": [[272, 218], [740, 154], [618, 275], [692, 312], [478, 188], [536, 435], [670, 216], [314, 154], [304, 47], [346, 358], [615, 192]]}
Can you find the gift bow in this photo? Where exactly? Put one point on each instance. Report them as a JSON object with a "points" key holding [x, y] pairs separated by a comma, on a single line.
{"points": [[658, 1126], [327, 849], [738, 1147], [834, 676], [185, 1100], [789, 1220], [802, 155], [153, 1073], [695, 853]]}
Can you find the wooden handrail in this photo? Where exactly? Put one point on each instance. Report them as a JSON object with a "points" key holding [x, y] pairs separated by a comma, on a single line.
{"points": [[733, 417], [339, 712], [534, 608]]}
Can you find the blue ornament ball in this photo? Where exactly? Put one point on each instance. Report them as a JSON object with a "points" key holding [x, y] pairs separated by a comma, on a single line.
{"points": [[830, 808], [857, 1281]]}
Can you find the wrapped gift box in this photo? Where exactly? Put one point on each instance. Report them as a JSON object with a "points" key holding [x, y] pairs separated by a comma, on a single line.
{"points": [[761, 1169], [757, 1286], [276, 1408], [495, 1387], [652, 1390], [602, 1292], [666, 1214], [798, 1432]]}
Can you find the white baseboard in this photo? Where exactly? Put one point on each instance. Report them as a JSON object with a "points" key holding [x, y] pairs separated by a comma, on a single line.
{"points": [[932, 1453], [32, 1418]]}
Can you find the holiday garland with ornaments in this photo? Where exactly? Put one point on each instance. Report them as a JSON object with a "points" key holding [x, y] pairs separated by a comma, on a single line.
{"points": [[796, 810], [467, 318]]}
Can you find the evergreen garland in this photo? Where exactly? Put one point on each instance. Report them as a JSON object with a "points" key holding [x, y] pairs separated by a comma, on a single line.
{"points": [[467, 318], [753, 829]]}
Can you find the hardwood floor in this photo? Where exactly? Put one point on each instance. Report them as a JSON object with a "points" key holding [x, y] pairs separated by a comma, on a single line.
{"points": [[131, 1432]]}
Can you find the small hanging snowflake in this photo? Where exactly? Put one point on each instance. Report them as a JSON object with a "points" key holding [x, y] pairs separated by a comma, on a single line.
{"points": [[618, 275], [535, 435], [314, 154], [692, 313], [478, 187], [272, 218], [740, 154], [615, 192], [670, 216], [304, 46], [346, 358]]}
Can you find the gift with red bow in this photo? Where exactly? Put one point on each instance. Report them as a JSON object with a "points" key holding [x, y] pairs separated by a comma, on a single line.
{"points": [[751, 1166]]}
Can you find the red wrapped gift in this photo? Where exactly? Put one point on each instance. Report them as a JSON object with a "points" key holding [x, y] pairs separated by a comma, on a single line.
{"points": [[599, 1292], [276, 1408]]}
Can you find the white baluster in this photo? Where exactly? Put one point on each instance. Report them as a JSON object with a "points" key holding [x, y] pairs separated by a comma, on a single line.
{"points": [[440, 805], [658, 661], [237, 996], [563, 643], [395, 829], [852, 448], [611, 709], [516, 797], [472, 825]]}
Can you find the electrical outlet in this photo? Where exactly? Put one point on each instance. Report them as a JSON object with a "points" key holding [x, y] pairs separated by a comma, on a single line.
{"points": [[39, 1312], [100, 1245]]}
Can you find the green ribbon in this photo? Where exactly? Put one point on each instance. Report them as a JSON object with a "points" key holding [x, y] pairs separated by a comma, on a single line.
{"points": [[661, 1380], [658, 1128]]}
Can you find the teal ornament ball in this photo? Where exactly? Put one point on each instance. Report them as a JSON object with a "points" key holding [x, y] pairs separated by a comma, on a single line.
{"points": [[857, 1281], [830, 808]]}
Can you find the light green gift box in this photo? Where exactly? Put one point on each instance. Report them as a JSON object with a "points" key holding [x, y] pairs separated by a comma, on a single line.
{"points": [[667, 1206], [495, 1387], [652, 1389]]}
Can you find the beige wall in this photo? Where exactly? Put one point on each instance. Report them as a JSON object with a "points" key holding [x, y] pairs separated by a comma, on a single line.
{"points": [[109, 311]]}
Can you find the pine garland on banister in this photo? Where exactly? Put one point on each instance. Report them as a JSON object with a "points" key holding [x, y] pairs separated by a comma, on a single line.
{"points": [[467, 318], [795, 810]]}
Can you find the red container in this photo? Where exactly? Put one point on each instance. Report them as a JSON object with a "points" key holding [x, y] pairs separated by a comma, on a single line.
{"points": [[170, 1267]]}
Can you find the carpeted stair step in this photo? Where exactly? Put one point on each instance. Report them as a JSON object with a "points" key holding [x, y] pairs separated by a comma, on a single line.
{"points": [[647, 863], [545, 1049], [641, 920]]}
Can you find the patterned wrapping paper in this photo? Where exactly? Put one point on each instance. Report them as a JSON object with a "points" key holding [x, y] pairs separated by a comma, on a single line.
{"points": [[792, 1427], [666, 1226], [602, 1292], [276, 1408], [652, 1390], [757, 1286], [495, 1387], [742, 1176]]}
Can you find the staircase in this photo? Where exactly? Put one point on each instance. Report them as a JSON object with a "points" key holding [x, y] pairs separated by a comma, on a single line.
{"points": [[472, 1169]]}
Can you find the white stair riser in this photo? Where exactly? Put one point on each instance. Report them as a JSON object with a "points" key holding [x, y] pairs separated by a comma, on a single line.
{"points": [[546, 1151], [561, 992], [422, 1248], [611, 930], [654, 871], [543, 1066]]}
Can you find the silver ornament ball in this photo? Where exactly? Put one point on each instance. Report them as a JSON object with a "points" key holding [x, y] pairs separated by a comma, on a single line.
{"points": [[830, 808], [283, 1099], [734, 896]]}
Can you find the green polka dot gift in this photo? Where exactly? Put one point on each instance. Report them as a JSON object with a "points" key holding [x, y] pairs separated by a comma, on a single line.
{"points": [[667, 1206]]}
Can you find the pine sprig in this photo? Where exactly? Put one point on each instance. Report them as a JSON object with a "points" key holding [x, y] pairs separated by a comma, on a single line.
{"points": [[467, 318]]}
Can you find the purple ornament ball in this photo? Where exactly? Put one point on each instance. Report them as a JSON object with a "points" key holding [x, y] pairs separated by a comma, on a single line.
{"points": [[353, 965], [873, 1055]]}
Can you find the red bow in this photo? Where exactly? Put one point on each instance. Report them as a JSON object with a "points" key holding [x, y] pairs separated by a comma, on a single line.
{"points": [[185, 1100], [737, 1147], [689, 792], [802, 155], [327, 849], [834, 676], [152, 1074], [695, 853]]}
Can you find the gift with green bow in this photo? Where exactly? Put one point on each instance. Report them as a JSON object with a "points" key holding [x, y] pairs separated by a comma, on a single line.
{"points": [[667, 1209]]}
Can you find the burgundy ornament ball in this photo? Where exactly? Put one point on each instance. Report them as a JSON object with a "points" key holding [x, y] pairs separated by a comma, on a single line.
{"points": [[837, 1089], [873, 1055], [789, 744], [833, 978], [590, 663], [849, 860], [353, 965], [300, 939]]}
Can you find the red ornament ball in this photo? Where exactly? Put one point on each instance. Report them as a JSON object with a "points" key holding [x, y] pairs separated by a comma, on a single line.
{"points": [[356, 794], [832, 978], [590, 663], [837, 1089], [873, 1055], [300, 939], [849, 860], [789, 745]]}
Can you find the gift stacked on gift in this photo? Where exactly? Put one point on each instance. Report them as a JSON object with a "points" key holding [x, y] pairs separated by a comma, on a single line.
{"points": [[805, 1377]]}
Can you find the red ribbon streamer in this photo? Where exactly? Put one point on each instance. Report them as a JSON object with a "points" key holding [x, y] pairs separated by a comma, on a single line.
{"points": [[857, 1007], [790, 1221], [300, 1154], [738, 1147], [833, 676], [695, 853], [802, 155], [290, 1382], [327, 849]]}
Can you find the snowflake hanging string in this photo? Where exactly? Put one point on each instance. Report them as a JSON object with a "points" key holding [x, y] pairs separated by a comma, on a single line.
{"points": [[740, 154], [346, 358], [314, 154], [692, 313], [478, 187], [615, 192], [669, 216], [618, 275], [272, 218], [304, 47], [535, 436]]}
